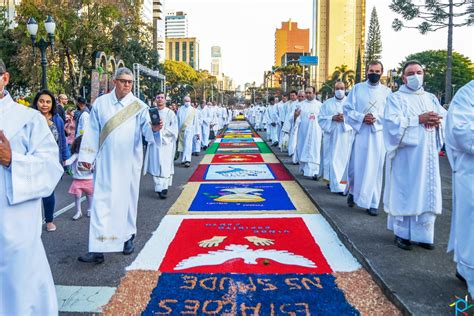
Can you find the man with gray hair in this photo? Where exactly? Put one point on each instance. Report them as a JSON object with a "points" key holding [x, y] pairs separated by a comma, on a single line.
{"points": [[112, 146], [188, 125], [29, 171]]}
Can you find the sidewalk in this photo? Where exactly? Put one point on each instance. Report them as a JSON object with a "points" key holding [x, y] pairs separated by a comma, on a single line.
{"points": [[419, 282]]}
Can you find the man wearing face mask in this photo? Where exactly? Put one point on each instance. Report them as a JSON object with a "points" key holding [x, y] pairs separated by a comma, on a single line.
{"points": [[413, 135], [337, 139], [363, 111], [293, 135], [188, 126], [309, 135]]}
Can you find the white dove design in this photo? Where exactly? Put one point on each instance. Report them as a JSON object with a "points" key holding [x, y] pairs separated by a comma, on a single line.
{"points": [[249, 256]]}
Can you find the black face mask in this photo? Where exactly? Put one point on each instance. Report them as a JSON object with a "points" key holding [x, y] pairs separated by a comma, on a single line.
{"points": [[374, 78]]}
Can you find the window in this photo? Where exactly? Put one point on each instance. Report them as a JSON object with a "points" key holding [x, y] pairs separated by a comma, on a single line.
{"points": [[170, 50], [184, 50], [176, 51]]}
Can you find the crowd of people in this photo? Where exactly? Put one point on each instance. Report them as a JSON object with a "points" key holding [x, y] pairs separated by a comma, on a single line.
{"points": [[346, 140]]}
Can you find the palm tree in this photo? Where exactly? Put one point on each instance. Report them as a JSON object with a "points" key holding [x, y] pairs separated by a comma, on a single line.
{"points": [[341, 73]]}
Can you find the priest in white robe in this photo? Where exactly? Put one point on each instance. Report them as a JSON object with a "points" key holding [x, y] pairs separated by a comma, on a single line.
{"points": [[214, 125], [267, 119], [309, 135], [363, 111], [413, 135], [338, 137], [29, 171], [112, 147], [281, 111], [188, 126], [206, 118], [287, 121], [259, 112], [160, 156], [197, 140], [293, 129], [460, 148]]}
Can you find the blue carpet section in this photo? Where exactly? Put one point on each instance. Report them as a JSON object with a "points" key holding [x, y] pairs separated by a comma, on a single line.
{"points": [[241, 197], [247, 294]]}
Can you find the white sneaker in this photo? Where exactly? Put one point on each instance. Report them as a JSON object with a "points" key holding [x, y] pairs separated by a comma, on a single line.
{"points": [[89, 213], [77, 216]]}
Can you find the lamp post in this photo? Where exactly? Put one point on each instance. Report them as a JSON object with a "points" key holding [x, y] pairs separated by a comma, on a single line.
{"points": [[190, 86], [42, 44]]}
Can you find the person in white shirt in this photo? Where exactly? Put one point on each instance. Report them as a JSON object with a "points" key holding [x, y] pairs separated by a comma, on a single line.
{"points": [[309, 135], [413, 135], [460, 149], [188, 124], [160, 156], [113, 144], [363, 111], [337, 140], [29, 171]]}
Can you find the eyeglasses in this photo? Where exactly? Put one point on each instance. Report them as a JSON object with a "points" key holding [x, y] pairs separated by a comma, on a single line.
{"points": [[159, 97], [125, 81]]}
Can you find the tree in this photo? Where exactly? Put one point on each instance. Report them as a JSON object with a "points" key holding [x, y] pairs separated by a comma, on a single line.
{"points": [[373, 49], [358, 72], [436, 15], [434, 64], [341, 73], [82, 28]]}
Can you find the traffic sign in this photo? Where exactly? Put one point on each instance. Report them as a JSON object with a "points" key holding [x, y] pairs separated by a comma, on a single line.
{"points": [[308, 60]]}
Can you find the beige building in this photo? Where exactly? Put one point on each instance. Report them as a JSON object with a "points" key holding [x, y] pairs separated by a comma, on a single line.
{"points": [[338, 36], [183, 49]]}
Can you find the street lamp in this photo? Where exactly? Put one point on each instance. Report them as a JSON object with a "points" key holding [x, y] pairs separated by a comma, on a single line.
{"points": [[190, 86], [42, 44]]}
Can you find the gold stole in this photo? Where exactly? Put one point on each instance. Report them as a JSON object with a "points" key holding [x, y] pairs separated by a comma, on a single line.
{"points": [[115, 121], [189, 119]]}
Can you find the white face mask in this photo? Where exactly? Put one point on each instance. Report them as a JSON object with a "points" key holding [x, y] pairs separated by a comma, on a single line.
{"points": [[415, 82], [340, 94]]}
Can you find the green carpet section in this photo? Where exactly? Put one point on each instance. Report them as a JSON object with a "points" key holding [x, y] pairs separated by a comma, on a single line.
{"points": [[212, 149], [264, 149]]}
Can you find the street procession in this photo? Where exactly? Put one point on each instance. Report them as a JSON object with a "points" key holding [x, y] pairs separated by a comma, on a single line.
{"points": [[304, 157]]}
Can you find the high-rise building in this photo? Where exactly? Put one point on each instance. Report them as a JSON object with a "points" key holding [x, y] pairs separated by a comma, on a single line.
{"points": [[216, 61], [183, 49], [339, 33], [290, 39], [147, 11], [176, 24], [9, 7], [159, 28]]}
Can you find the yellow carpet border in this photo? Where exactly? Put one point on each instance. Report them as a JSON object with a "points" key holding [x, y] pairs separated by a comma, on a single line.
{"points": [[267, 158], [297, 196]]}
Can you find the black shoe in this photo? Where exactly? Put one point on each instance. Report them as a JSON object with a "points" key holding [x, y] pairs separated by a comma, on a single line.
{"points": [[204, 148], [402, 243], [350, 200], [92, 257], [328, 186], [195, 154], [275, 144], [163, 194], [460, 277], [316, 178], [187, 164], [426, 245], [128, 246], [373, 211]]}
